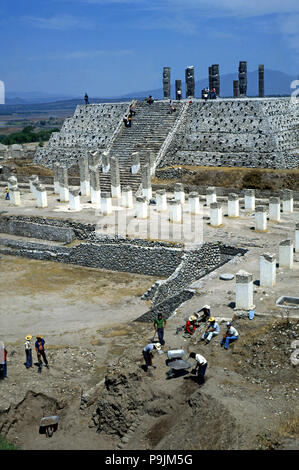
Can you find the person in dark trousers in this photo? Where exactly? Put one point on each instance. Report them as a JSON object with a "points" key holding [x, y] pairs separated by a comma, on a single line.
{"points": [[131, 110], [86, 98], [28, 351], [7, 196], [129, 120], [159, 325], [148, 353], [201, 366], [150, 99], [3, 361], [40, 351], [206, 313], [125, 121]]}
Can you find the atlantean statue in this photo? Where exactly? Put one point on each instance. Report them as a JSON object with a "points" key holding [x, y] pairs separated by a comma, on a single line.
{"points": [[243, 78], [215, 78], [166, 82], [261, 82], [190, 83]]}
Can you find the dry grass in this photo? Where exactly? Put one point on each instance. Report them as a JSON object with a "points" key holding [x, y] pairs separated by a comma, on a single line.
{"points": [[289, 427]]}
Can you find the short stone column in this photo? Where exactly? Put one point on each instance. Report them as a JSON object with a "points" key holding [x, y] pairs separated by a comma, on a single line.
{"points": [[41, 194], [14, 194], [249, 198], [141, 207], [215, 214], [63, 185], [286, 254], [12, 181], [274, 209], [56, 178], [244, 290], [233, 205], [179, 193], [115, 178], [74, 199], [33, 179], [267, 270], [105, 162], [106, 203], [84, 177], [211, 195], [150, 159], [135, 166], [297, 238], [161, 200], [260, 219], [175, 211], [146, 182], [127, 197], [194, 204], [287, 201]]}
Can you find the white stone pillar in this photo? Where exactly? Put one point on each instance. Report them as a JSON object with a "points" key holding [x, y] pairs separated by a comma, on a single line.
{"points": [[260, 219], [146, 182], [274, 209], [11, 182], [161, 200], [194, 204], [233, 205], [297, 238], [249, 196], [105, 162], [135, 167], [63, 185], [56, 178], [215, 214], [286, 254], [244, 290], [179, 192], [115, 178], [127, 197], [14, 194], [74, 199], [33, 179], [211, 195], [287, 200], [41, 194], [175, 211], [141, 207], [84, 177], [95, 197], [267, 270], [106, 203]]}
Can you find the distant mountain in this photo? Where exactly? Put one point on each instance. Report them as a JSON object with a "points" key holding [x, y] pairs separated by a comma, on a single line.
{"points": [[34, 97], [276, 83]]}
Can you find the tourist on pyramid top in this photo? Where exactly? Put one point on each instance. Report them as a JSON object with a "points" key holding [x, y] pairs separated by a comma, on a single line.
{"points": [[125, 121], [150, 99], [171, 107], [213, 94], [179, 93], [86, 98], [131, 110], [130, 120]]}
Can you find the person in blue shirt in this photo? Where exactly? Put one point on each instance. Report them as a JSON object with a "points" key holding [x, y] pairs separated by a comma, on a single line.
{"points": [[212, 330]]}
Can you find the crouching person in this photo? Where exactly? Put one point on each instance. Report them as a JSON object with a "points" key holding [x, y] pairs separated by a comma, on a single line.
{"points": [[230, 335], [148, 354], [201, 366], [212, 329]]}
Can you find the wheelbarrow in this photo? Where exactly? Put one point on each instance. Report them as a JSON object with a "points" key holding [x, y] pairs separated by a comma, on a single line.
{"points": [[48, 425]]}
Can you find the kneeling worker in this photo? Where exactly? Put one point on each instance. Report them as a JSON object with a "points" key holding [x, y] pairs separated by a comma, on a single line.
{"points": [[201, 365], [148, 353], [190, 325]]}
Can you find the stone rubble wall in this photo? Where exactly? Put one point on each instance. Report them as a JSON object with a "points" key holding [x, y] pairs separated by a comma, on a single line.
{"points": [[262, 133], [18, 151], [92, 127]]}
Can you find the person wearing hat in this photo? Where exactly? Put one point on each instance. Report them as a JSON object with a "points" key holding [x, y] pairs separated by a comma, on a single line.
{"points": [[40, 351], [159, 325], [28, 351], [201, 365], [148, 353], [230, 335], [206, 309], [212, 329], [190, 325], [3, 361]]}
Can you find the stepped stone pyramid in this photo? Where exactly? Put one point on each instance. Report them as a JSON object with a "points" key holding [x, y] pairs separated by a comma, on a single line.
{"points": [[245, 132]]}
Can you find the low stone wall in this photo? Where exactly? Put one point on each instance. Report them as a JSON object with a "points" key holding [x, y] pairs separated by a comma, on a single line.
{"points": [[44, 228]]}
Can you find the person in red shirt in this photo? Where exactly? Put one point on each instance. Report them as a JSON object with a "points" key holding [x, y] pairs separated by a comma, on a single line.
{"points": [[190, 325]]}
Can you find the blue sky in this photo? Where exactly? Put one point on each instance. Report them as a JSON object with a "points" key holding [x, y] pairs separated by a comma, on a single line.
{"points": [[113, 47]]}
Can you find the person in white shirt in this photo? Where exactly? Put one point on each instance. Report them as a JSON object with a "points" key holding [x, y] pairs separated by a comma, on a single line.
{"points": [[28, 351], [201, 365], [212, 329], [230, 335]]}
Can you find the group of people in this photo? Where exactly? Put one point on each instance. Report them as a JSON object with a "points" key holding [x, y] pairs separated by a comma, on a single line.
{"points": [[40, 351], [127, 120], [207, 94], [211, 330]]}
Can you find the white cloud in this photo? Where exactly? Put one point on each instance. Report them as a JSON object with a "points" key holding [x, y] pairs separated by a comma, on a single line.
{"points": [[59, 23]]}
